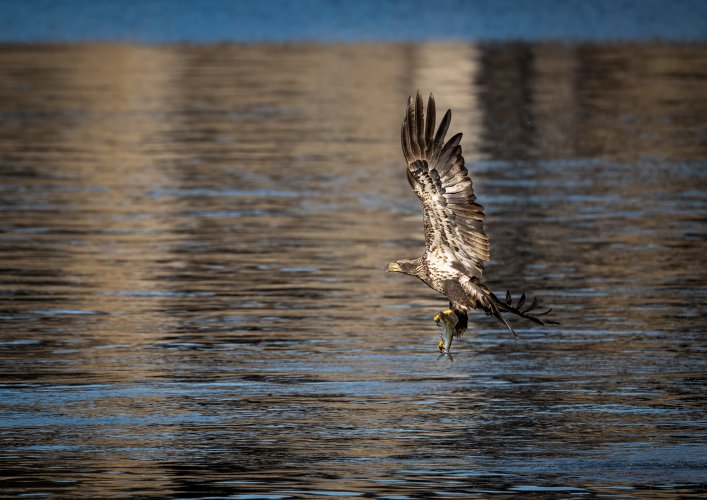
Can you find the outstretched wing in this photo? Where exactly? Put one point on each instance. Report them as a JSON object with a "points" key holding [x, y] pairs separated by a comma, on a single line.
{"points": [[454, 222]]}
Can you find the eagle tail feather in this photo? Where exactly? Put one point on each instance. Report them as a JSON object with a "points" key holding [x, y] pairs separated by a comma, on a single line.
{"points": [[497, 314], [496, 306]]}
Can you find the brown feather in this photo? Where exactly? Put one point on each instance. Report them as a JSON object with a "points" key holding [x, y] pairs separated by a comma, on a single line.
{"points": [[436, 172]]}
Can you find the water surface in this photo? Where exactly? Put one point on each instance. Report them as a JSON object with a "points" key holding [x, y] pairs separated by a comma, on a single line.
{"points": [[192, 295]]}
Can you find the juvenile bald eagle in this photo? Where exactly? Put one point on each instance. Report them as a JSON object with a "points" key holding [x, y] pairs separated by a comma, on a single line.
{"points": [[456, 246]]}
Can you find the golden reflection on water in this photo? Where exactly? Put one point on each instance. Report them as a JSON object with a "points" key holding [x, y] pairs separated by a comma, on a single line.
{"points": [[192, 286]]}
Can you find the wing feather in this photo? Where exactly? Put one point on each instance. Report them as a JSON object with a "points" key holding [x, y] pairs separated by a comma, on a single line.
{"points": [[454, 229], [441, 132]]}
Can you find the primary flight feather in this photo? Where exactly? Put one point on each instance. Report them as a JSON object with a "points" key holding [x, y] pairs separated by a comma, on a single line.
{"points": [[456, 246]]}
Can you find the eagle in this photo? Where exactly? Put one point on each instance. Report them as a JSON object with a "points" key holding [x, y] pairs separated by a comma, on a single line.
{"points": [[456, 246]]}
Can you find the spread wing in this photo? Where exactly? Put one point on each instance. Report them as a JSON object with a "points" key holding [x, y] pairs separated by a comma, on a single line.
{"points": [[454, 222]]}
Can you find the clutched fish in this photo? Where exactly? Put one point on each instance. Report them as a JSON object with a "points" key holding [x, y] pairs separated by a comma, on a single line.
{"points": [[447, 322]]}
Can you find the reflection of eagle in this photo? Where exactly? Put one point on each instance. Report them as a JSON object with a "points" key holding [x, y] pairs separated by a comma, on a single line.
{"points": [[456, 246]]}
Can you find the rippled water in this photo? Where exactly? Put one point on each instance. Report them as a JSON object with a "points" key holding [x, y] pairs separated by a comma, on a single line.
{"points": [[192, 295]]}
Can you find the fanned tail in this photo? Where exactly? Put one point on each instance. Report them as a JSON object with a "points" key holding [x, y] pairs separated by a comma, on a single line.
{"points": [[496, 306]]}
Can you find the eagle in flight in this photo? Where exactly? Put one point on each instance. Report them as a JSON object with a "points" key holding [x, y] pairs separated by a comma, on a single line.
{"points": [[456, 246]]}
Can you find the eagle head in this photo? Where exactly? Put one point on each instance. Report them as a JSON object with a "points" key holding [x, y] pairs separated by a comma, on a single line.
{"points": [[404, 266]]}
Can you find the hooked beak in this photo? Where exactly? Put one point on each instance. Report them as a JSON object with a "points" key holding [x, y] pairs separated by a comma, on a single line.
{"points": [[393, 268]]}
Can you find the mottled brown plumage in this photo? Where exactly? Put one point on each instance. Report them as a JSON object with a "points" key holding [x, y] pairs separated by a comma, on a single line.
{"points": [[456, 246]]}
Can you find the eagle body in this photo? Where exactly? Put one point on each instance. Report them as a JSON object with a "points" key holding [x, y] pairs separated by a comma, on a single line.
{"points": [[456, 246], [440, 275]]}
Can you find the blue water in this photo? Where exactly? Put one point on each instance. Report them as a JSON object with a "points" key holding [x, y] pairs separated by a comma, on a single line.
{"points": [[209, 21]]}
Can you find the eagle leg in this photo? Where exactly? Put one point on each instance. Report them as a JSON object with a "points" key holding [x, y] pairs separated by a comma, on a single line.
{"points": [[462, 320], [462, 323]]}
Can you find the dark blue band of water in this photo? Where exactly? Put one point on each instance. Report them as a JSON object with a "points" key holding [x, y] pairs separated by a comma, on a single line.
{"points": [[209, 21]]}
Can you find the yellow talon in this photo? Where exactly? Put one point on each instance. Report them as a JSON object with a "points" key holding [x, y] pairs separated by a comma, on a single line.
{"points": [[446, 313], [441, 346]]}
